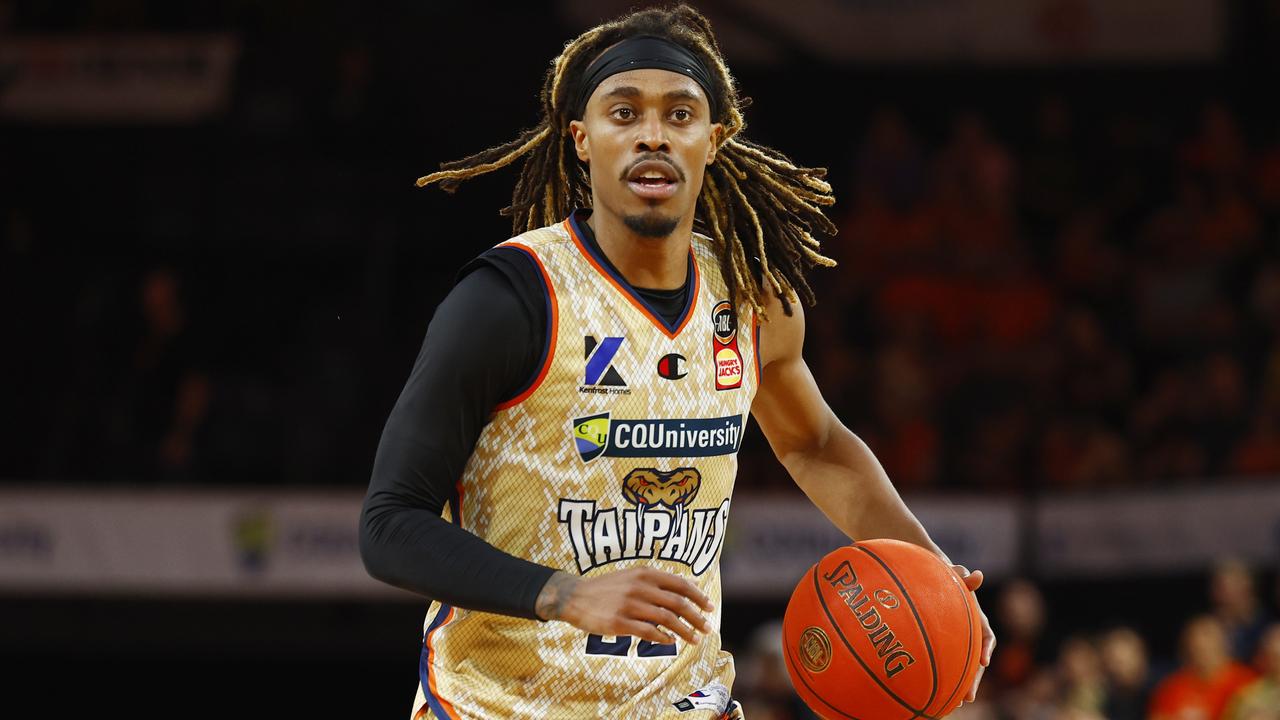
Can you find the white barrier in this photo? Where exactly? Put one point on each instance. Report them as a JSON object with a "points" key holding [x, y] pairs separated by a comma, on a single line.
{"points": [[305, 542], [208, 543], [772, 541], [1173, 530]]}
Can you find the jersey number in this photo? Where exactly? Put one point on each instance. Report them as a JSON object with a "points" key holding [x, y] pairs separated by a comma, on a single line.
{"points": [[620, 646]]}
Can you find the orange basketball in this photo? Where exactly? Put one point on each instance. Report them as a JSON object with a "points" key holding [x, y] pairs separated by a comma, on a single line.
{"points": [[881, 630]]}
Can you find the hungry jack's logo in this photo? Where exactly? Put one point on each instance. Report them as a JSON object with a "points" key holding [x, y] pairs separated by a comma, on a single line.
{"points": [[724, 346]]}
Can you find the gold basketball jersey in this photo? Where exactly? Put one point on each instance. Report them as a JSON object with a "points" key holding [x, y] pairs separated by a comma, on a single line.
{"points": [[622, 453]]}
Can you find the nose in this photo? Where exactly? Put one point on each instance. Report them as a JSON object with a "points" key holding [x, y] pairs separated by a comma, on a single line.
{"points": [[651, 134]]}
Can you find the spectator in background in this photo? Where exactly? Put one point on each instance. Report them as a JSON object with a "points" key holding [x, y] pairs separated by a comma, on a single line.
{"points": [[1219, 407], [1260, 700], [1093, 376], [1208, 678], [890, 163], [766, 687], [906, 439], [1236, 606], [1267, 179], [1020, 615], [1089, 267], [159, 392], [1124, 660], [1217, 152], [1259, 452], [1052, 169], [975, 183], [1082, 687], [1082, 454], [889, 228]]}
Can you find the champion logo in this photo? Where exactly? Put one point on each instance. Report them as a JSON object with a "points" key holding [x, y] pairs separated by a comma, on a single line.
{"points": [[673, 366]]}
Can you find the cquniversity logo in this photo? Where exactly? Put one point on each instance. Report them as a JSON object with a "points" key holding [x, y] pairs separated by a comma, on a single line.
{"points": [[591, 436], [597, 435]]}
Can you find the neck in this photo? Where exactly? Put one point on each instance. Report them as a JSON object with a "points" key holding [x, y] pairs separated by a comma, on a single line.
{"points": [[656, 263]]}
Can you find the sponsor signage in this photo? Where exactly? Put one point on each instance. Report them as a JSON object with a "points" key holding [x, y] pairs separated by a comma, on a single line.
{"points": [[601, 434]]}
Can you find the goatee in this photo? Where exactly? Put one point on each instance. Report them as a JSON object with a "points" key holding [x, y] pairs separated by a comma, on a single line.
{"points": [[651, 224]]}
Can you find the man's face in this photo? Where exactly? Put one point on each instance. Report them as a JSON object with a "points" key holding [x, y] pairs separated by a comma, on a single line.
{"points": [[647, 138]]}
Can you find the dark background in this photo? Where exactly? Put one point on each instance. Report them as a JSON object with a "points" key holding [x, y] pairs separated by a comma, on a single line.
{"points": [[268, 273]]}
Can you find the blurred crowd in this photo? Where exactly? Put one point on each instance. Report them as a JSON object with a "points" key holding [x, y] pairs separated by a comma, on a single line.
{"points": [[1090, 307], [1051, 290], [1094, 306], [1224, 666]]}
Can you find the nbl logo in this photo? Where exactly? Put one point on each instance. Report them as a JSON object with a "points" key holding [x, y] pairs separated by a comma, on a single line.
{"points": [[724, 346]]}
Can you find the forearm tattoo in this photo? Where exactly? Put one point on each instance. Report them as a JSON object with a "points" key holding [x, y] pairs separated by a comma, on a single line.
{"points": [[554, 595]]}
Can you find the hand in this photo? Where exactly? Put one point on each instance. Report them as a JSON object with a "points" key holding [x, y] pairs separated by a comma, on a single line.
{"points": [[973, 581], [633, 602]]}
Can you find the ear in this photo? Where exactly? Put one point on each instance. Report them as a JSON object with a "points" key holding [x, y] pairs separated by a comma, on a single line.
{"points": [[717, 132], [581, 145]]}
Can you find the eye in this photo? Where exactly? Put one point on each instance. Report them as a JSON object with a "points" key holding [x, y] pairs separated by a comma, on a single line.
{"points": [[681, 115], [623, 113]]}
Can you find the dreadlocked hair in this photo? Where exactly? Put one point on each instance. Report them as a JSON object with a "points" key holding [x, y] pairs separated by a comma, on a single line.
{"points": [[755, 203]]}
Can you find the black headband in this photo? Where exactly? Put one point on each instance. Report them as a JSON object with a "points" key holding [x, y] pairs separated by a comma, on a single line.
{"points": [[639, 53]]}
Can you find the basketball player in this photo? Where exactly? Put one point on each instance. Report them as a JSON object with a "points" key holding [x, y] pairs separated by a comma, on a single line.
{"points": [[557, 472]]}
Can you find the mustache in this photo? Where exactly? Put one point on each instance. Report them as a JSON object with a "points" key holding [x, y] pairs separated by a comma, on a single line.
{"points": [[660, 157]]}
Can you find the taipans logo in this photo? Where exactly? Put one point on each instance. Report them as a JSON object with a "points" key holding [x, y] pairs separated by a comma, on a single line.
{"points": [[672, 367], [597, 435], [815, 649], [661, 515], [650, 486], [599, 374], [724, 346]]}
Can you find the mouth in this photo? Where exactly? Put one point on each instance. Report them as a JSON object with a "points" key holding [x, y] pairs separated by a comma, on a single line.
{"points": [[653, 180]]}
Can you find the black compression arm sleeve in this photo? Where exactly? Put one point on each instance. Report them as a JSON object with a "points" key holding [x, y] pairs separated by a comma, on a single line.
{"points": [[458, 378]]}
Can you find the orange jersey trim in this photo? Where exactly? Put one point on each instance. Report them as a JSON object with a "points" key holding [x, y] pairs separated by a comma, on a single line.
{"points": [[551, 335], [626, 293], [431, 677]]}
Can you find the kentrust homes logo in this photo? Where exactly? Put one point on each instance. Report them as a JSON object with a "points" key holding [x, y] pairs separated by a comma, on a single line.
{"points": [[599, 374]]}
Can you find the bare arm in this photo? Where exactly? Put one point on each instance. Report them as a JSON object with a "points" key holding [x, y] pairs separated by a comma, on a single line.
{"points": [[834, 467], [828, 462]]}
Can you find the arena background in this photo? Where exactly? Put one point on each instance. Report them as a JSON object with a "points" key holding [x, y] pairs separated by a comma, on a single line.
{"points": [[1055, 321]]}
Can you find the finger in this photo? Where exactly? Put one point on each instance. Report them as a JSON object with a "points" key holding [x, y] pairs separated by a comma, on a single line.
{"points": [[681, 606], [646, 631], [988, 642], [677, 584], [667, 619], [974, 580], [973, 691]]}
